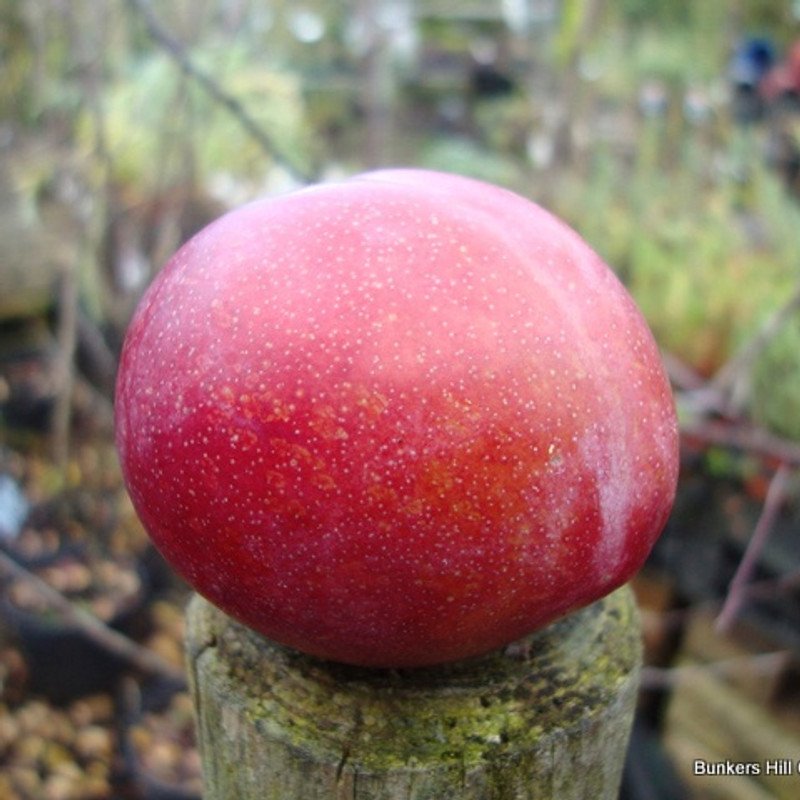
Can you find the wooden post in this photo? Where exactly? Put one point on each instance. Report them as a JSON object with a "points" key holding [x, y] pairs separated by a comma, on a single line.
{"points": [[548, 717]]}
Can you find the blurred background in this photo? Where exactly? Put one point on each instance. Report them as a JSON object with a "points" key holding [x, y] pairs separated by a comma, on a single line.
{"points": [[667, 133]]}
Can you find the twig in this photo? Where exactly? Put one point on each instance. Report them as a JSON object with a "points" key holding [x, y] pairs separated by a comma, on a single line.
{"points": [[683, 377], [670, 677], [743, 437], [176, 52], [736, 596], [772, 586], [101, 361], [65, 363], [731, 380], [91, 626]]}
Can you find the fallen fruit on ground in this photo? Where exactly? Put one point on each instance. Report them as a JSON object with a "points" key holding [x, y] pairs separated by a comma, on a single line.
{"points": [[397, 420]]}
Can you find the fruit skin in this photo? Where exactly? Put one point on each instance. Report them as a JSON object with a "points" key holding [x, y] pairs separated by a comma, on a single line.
{"points": [[397, 420]]}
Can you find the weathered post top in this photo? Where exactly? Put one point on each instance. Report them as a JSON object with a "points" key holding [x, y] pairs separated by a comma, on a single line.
{"points": [[546, 718]]}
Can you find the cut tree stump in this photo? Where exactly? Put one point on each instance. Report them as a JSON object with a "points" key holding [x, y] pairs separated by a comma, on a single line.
{"points": [[547, 717]]}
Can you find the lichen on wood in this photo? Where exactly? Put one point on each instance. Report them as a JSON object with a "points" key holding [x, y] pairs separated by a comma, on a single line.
{"points": [[547, 717]]}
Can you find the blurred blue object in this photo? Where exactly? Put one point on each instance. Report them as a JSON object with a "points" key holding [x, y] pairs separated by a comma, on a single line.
{"points": [[752, 59], [13, 508]]}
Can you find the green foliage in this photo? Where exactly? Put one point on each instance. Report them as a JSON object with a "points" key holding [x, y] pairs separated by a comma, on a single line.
{"points": [[156, 122], [464, 157], [683, 244], [776, 383], [17, 59], [638, 12], [701, 232], [779, 19], [503, 124], [678, 56]]}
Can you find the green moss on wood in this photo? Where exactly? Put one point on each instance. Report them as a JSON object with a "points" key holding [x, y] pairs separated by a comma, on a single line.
{"points": [[546, 717]]}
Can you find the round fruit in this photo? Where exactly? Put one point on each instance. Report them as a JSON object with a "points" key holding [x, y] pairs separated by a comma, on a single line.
{"points": [[397, 420]]}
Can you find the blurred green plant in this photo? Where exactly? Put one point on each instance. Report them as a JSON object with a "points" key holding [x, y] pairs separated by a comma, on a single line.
{"points": [[706, 257], [775, 398], [156, 121], [465, 157]]}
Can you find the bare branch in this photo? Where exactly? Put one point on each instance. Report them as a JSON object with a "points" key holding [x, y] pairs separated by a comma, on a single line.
{"points": [[774, 586], [670, 677], [733, 378], [736, 596], [68, 298], [176, 52], [91, 626], [744, 437]]}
